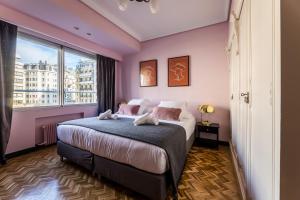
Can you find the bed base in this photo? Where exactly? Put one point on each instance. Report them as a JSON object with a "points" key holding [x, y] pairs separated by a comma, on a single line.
{"points": [[76, 155], [153, 186], [190, 142]]}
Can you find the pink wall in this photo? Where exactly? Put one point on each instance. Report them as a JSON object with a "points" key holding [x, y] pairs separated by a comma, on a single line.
{"points": [[26, 123], [25, 132], [208, 69]]}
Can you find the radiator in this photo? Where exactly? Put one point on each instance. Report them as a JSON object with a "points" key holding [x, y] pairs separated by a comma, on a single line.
{"points": [[49, 132]]}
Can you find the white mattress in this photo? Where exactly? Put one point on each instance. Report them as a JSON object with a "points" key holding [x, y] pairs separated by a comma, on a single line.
{"points": [[138, 154]]}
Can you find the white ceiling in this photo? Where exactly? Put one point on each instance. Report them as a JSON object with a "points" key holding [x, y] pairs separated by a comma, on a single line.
{"points": [[66, 14], [174, 16]]}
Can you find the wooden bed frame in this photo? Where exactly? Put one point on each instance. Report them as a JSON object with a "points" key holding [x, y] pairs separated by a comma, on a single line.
{"points": [[153, 186]]}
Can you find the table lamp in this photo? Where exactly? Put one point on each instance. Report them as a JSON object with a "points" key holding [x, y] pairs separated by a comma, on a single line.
{"points": [[205, 109]]}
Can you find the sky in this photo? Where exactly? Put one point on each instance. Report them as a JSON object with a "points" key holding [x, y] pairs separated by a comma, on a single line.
{"points": [[32, 52]]}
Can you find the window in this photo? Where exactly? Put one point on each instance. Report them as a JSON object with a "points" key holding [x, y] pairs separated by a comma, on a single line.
{"points": [[79, 78], [39, 68], [34, 57]]}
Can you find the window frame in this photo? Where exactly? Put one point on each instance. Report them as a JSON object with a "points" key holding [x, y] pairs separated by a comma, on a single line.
{"points": [[78, 53], [61, 68]]}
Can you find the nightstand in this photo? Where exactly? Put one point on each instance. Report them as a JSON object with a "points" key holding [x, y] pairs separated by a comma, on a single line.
{"points": [[213, 128]]}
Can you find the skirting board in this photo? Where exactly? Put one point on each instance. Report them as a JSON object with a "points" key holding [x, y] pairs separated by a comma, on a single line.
{"points": [[238, 172], [24, 151]]}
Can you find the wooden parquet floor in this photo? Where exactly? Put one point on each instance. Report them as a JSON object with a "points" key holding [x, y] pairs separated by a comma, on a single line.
{"points": [[41, 175]]}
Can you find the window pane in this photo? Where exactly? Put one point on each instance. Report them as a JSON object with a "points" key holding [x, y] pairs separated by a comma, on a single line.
{"points": [[36, 74], [79, 78]]}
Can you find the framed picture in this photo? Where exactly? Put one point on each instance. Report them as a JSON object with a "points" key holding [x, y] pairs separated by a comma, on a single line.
{"points": [[148, 73], [179, 71]]}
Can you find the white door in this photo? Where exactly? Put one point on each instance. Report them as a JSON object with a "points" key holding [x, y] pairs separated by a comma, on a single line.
{"points": [[244, 122], [262, 47], [234, 90], [240, 87], [255, 70]]}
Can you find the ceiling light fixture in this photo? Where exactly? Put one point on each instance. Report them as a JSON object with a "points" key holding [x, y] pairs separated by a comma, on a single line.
{"points": [[153, 4]]}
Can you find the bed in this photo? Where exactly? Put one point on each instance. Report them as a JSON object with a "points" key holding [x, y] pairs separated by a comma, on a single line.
{"points": [[135, 164]]}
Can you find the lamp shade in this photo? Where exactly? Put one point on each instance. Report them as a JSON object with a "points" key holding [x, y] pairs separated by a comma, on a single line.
{"points": [[206, 109], [210, 109]]}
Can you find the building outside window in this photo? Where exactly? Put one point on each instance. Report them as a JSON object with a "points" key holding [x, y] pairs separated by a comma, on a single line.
{"points": [[38, 70], [79, 78]]}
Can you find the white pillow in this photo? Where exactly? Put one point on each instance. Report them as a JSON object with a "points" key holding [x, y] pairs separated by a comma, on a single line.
{"points": [[136, 101], [173, 104], [176, 104], [143, 103]]}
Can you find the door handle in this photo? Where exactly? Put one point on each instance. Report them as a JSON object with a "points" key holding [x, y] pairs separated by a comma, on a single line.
{"points": [[246, 97]]}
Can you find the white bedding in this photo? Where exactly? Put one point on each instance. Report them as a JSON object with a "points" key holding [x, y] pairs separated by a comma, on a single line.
{"points": [[138, 154]]}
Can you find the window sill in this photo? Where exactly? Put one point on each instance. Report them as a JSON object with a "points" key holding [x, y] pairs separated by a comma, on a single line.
{"points": [[80, 104], [23, 109]]}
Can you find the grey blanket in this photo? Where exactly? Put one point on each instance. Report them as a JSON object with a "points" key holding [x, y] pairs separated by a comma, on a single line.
{"points": [[170, 137]]}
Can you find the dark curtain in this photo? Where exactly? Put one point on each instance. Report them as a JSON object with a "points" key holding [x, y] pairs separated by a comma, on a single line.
{"points": [[8, 38], [105, 83]]}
